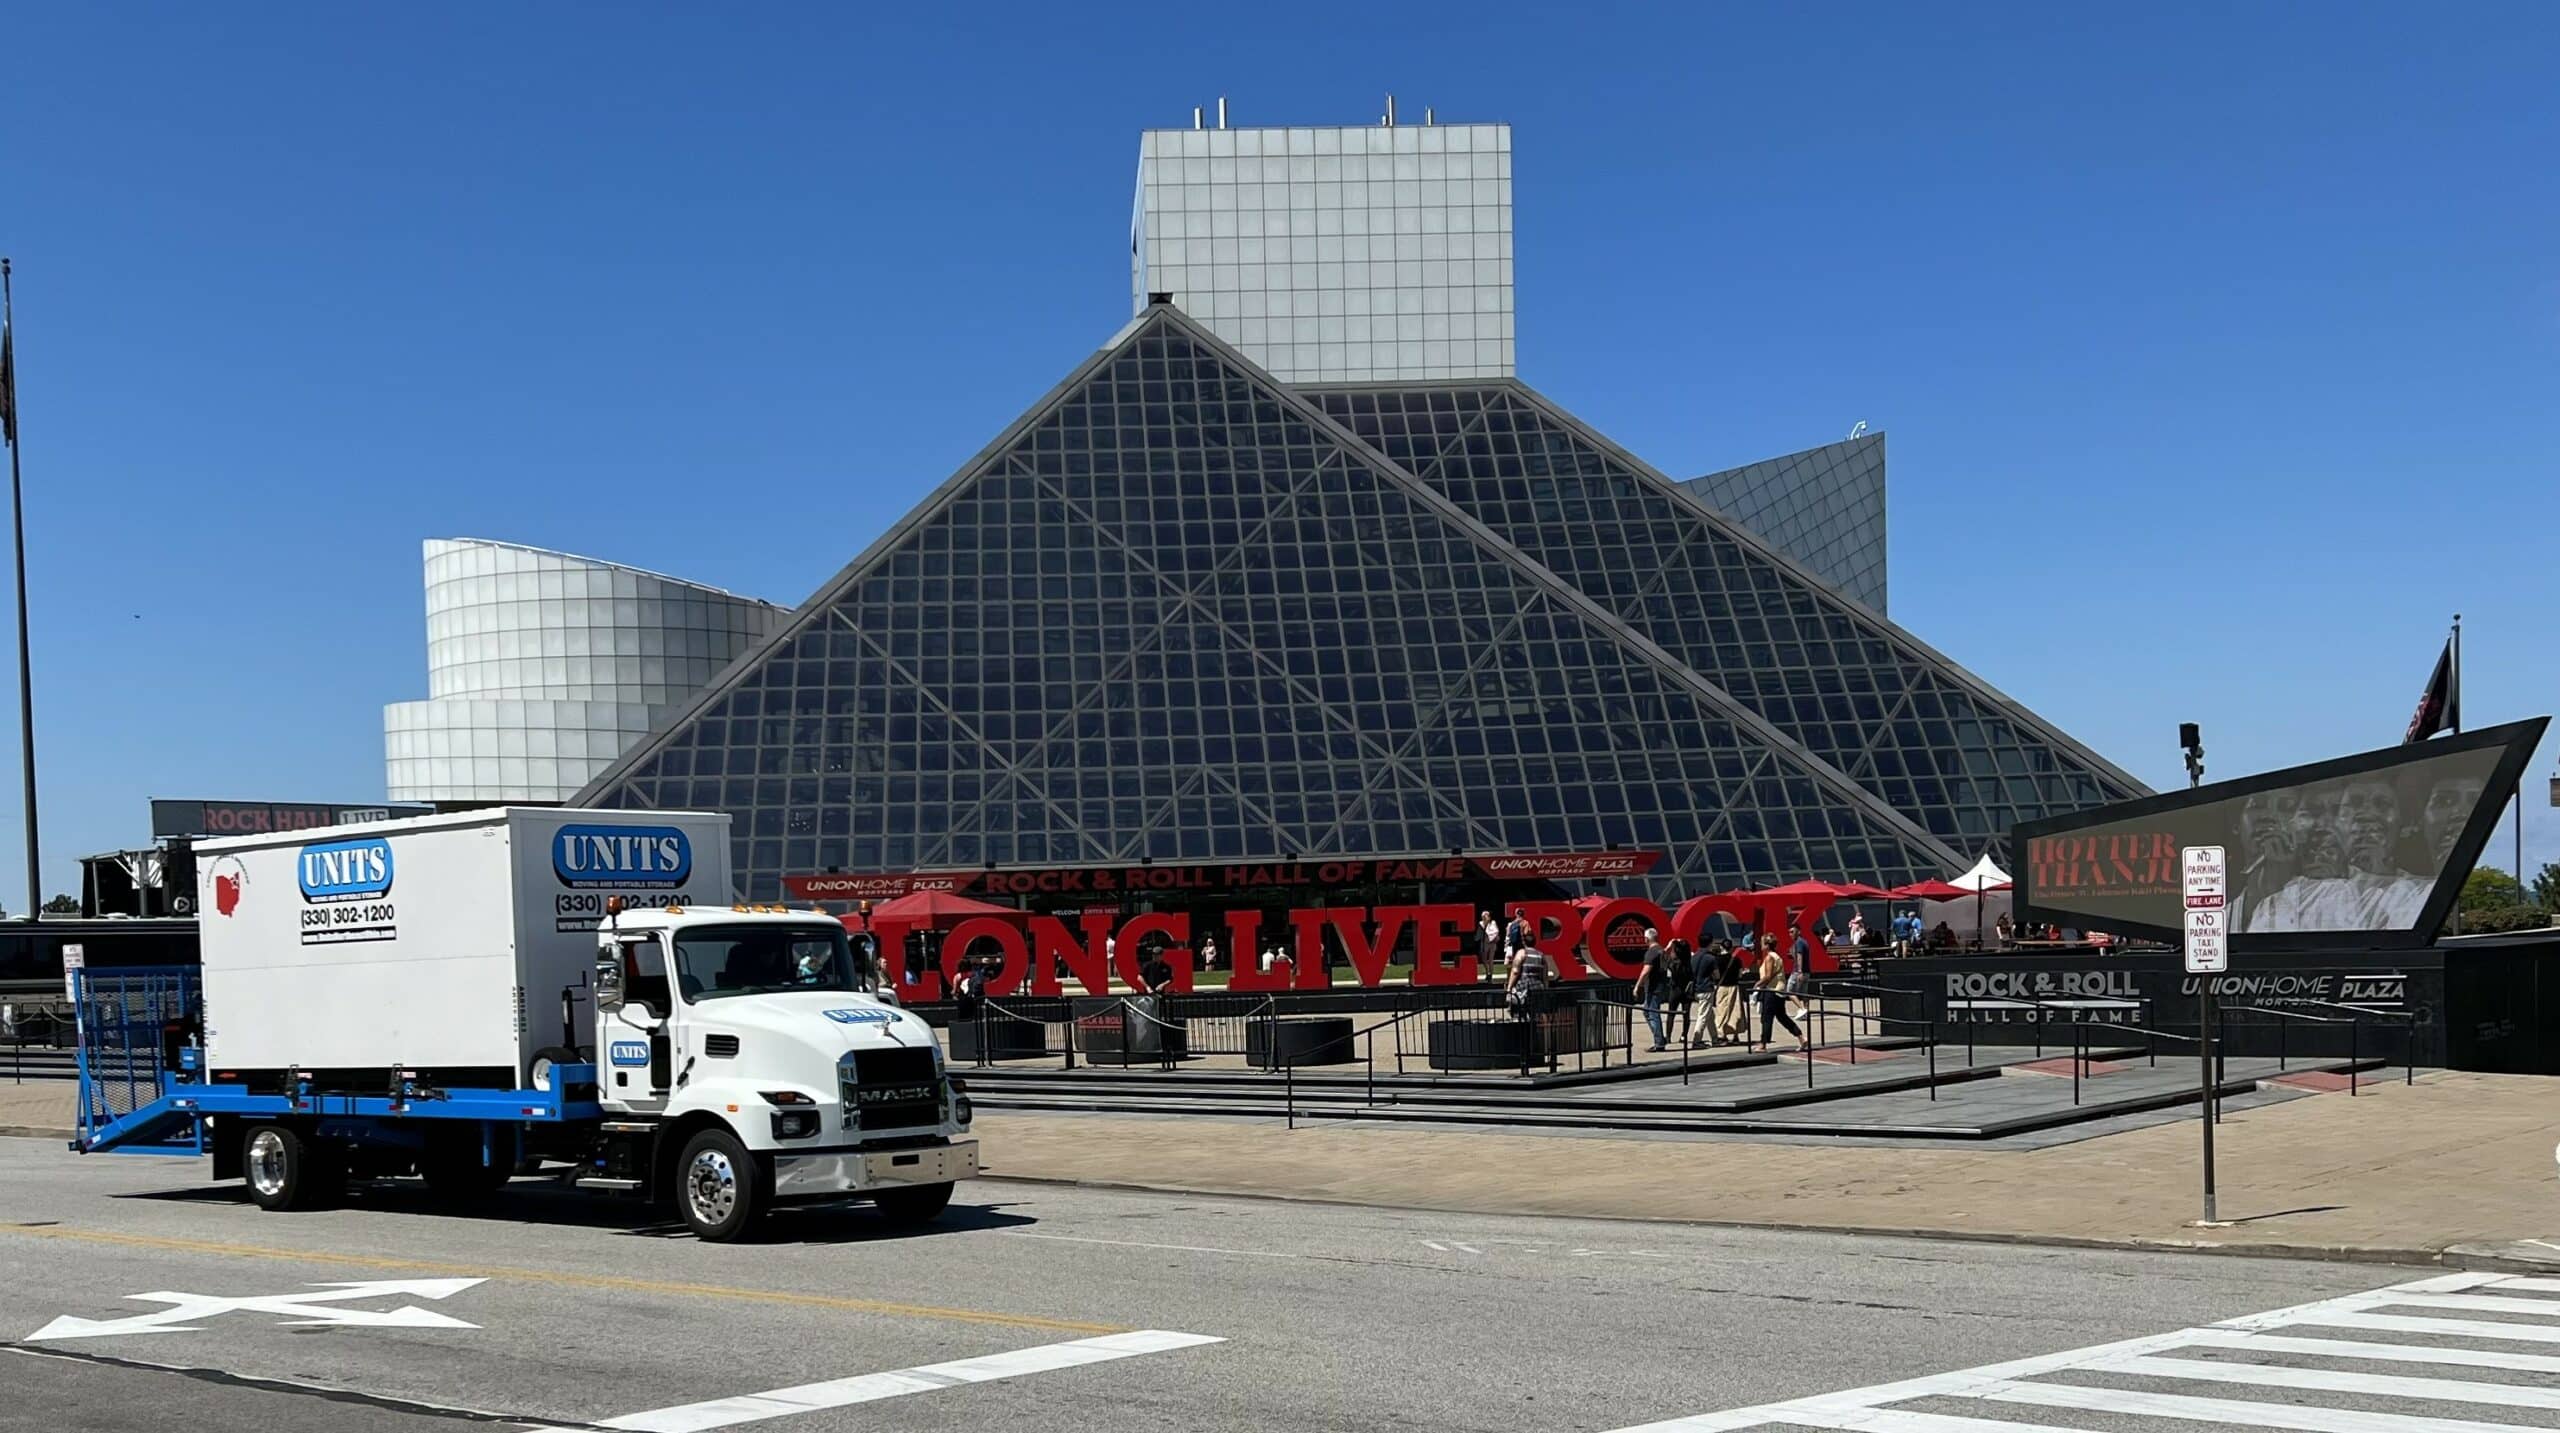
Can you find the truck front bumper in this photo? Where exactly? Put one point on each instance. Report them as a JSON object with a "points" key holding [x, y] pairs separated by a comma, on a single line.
{"points": [[838, 1173]]}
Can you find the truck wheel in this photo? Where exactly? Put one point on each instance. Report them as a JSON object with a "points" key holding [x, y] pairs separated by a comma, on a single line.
{"points": [[719, 1186], [537, 1075], [286, 1170], [915, 1204]]}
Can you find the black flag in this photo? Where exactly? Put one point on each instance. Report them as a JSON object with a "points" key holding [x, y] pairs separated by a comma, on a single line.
{"points": [[2440, 709]]}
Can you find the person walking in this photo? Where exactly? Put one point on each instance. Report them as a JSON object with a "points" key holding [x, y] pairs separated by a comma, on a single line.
{"points": [[1683, 987], [1772, 994], [1733, 973], [1653, 986], [1517, 937], [1524, 985], [1702, 995], [1488, 944]]}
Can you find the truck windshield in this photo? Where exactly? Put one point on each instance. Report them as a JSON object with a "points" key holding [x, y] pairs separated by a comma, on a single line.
{"points": [[714, 962]]}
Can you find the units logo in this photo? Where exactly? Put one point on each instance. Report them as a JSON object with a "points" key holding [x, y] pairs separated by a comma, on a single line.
{"points": [[630, 1052], [622, 857], [333, 871]]}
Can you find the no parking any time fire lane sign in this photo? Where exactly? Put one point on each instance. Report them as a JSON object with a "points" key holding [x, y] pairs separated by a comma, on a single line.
{"points": [[2208, 926]]}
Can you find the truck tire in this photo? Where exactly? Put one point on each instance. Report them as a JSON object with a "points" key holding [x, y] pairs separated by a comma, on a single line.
{"points": [[719, 1187], [286, 1169], [914, 1204], [537, 1073]]}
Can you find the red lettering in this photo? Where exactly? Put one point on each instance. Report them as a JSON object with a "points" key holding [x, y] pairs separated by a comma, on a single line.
{"points": [[1642, 914], [1174, 926], [1368, 953], [1308, 949], [1008, 939], [1436, 931], [1561, 947], [1244, 951], [892, 936], [1052, 949]]}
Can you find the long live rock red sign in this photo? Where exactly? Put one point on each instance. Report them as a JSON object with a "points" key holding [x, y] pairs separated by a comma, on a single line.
{"points": [[1040, 954]]}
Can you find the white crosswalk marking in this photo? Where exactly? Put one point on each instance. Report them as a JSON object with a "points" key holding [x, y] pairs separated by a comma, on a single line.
{"points": [[2393, 1352], [2449, 1390], [900, 1383], [2482, 1303], [2226, 1410], [2162, 1377], [2461, 1328]]}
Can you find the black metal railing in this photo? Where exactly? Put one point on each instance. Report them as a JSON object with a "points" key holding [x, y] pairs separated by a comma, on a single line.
{"points": [[2354, 1018], [44, 1025]]}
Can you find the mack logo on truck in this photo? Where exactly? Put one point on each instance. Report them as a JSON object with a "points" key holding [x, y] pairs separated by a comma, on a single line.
{"points": [[346, 870], [863, 1017], [621, 856]]}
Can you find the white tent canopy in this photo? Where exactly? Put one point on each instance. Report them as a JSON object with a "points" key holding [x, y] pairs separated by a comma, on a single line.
{"points": [[1972, 917], [1983, 877]]}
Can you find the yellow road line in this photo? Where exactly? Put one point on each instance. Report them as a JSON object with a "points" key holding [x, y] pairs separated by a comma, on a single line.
{"points": [[556, 1276]]}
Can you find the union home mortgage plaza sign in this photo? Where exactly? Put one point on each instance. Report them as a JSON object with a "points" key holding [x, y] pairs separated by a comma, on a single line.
{"points": [[1227, 876]]}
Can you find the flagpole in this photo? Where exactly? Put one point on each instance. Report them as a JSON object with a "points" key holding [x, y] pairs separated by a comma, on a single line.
{"points": [[26, 676]]}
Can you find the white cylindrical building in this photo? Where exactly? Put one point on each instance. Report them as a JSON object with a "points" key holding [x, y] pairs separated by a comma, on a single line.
{"points": [[542, 667]]}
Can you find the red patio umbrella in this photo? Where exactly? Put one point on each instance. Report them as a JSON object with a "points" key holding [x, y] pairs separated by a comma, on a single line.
{"points": [[1930, 890], [938, 910], [1803, 888]]}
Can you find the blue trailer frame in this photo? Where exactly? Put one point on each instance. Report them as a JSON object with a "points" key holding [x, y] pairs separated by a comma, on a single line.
{"points": [[144, 1088]]}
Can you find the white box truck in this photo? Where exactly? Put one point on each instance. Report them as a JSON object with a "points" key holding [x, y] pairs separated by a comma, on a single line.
{"points": [[473, 996]]}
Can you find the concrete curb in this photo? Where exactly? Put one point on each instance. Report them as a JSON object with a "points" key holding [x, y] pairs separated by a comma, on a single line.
{"points": [[35, 1132], [2322, 1253]]}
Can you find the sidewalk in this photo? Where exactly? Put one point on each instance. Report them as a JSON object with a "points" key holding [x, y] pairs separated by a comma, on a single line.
{"points": [[40, 1108], [2396, 1173]]}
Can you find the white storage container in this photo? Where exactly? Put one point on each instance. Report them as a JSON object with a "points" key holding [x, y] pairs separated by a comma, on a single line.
{"points": [[438, 943]]}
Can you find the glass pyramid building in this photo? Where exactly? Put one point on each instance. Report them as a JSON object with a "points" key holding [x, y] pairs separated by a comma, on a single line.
{"points": [[1824, 506], [1179, 611]]}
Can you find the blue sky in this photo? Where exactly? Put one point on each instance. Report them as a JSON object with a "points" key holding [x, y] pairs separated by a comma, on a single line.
{"points": [[2217, 346]]}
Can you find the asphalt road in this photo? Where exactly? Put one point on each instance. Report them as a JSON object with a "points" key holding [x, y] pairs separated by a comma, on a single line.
{"points": [[1037, 1307]]}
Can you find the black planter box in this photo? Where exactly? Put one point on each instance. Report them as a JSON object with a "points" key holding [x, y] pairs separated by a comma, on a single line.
{"points": [[1308, 1040], [1483, 1044], [999, 1039]]}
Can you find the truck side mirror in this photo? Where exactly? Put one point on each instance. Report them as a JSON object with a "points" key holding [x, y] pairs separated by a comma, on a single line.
{"points": [[608, 982]]}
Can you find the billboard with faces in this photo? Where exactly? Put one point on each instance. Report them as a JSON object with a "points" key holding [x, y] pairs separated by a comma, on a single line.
{"points": [[2366, 850]]}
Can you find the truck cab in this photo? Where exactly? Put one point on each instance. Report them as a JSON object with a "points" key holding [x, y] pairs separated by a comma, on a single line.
{"points": [[746, 1056]]}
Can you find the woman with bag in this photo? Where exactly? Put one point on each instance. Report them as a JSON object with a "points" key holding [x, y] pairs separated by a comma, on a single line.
{"points": [[1524, 989]]}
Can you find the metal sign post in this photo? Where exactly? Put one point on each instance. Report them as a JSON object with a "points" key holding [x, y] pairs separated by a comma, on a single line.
{"points": [[2208, 951]]}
